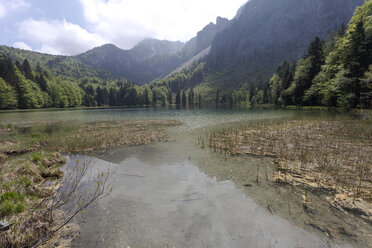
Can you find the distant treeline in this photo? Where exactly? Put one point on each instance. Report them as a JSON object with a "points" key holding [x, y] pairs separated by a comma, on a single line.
{"points": [[336, 73], [26, 88]]}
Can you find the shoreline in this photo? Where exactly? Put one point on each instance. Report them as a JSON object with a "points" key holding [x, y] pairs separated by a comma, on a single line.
{"points": [[30, 162]]}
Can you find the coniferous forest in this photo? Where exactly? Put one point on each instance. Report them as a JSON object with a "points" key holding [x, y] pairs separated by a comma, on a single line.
{"points": [[333, 72]]}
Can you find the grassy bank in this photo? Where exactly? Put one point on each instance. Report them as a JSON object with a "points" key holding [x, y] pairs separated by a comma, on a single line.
{"points": [[30, 160], [330, 156]]}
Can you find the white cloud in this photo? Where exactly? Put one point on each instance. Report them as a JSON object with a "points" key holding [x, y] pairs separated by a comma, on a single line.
{"points": [[125, 22], [22, 45], [2, 10], [7, 7], [121, 22], [59, 37]]}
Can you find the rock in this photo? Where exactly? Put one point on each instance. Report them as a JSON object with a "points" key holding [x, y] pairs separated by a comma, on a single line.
{"points": [[4, 226]]}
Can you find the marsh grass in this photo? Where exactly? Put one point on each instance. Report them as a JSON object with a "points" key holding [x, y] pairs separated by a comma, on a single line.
{"points": [[331, 155], [30, 163], [103, 135]]}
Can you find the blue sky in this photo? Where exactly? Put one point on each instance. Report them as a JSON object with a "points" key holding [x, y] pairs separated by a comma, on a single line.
{"points": [[69, 27]]}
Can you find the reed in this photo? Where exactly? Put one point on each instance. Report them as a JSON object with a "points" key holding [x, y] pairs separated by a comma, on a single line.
{"points": [[334, 154]]}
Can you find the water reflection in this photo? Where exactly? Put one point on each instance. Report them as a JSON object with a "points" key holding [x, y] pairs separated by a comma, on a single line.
{"points": [[176, 205]]}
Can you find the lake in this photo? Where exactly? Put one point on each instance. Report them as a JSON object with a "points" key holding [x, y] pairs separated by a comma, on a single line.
{"points": [[175, 194]]}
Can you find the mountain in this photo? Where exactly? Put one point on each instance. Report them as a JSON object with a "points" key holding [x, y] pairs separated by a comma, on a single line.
{"points": [[129, 63], [267, 32], [149, 48], [190, 62], [66, 67], [204, 38], [151, 58]]}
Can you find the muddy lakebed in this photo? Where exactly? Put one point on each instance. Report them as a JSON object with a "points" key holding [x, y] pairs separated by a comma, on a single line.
{"points": [[175, 193]]}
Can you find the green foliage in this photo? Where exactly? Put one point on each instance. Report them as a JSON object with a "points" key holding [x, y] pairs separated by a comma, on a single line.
{"points": [[191, 97], [24, 181], [184, 98], [8, 98], [11, 203], [68, 68], [27, 70], [36, 157], [341, 77], [276, 86], [21, 89], [178, 98], [366, 89]]}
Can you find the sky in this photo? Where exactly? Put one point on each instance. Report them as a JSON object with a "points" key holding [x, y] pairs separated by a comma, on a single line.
{"points": [[70, 27]]}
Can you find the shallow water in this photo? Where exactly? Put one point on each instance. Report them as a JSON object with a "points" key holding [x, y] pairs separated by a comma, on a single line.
{"points": [[175, 194], [176, 205], [191, 118]]}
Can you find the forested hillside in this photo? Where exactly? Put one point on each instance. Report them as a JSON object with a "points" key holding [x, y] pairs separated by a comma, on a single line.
{"points": [[335, 71], [24, 87], [319, 60], [267, 32], [21, 87], [61, 66]]}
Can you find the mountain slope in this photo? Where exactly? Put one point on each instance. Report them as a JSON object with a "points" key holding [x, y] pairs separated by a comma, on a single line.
{"points": [[61, 66], [126, 63], [266, 32], [151, 58], [191, 61]]}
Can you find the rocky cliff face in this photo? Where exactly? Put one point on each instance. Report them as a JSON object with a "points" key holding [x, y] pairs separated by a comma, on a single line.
{"points": [[149, 48], [266, 32]]}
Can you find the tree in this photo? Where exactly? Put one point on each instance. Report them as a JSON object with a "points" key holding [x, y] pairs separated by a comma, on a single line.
{"points": [[131, 99], [26, 96], [366, 90], [146, 97], [183, 98], [8, 71], [275, 89], [154, 96], [27, 70], [90, 90], [306, 71], [19, 66], [8, 97], [122, 93], [217, 97], [100, 96], [112, 97], [355, 55], [316, 56], [169, 96], [42, 82], [178, 98], [342, 30], [191, 97], [301, 82]]}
